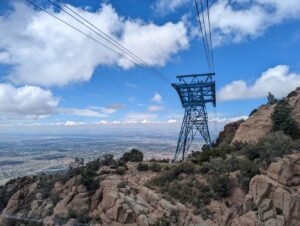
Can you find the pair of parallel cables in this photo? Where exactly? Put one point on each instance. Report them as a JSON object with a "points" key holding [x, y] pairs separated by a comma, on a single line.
{"points": [[205, 30], [112, 44]]}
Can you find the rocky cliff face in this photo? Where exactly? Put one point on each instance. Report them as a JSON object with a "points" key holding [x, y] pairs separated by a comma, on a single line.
{"points": [[119, 200], [260, 123], [273, 199], [294, 101], [229, 132], [256, 126]]}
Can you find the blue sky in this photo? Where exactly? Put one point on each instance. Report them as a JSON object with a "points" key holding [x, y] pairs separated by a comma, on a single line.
{"points": [[51, 75]]}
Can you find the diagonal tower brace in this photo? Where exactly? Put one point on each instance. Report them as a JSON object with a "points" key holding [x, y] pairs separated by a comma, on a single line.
{"points": [[195, 91]]}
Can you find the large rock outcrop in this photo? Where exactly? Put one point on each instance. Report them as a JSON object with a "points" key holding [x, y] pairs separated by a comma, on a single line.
{"points": [[274, 198], [259, 124], [229, 132], [256, 126], [294, 102], [119, 200]]}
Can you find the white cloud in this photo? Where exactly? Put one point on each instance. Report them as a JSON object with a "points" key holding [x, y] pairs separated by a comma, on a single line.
{"points": [[43, 51], [172, 121], [26, 102], [4, 57], [130, 85], [102, 122], [156, 98], [153, 108], [72, 123], [136, 117], [164, 7], [99, 112], [83, 112], [278, 80], [227, 119], [239, 20]]}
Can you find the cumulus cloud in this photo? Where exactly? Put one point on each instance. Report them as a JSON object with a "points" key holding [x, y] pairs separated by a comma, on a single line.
{"points": [[156, 98], [234, 21], [164, 7], [278, 80], [26, 102], [43, 51]]}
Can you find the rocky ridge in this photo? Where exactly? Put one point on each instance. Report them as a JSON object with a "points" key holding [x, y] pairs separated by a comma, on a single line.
{"points": [[273, 199], [259, 124]]}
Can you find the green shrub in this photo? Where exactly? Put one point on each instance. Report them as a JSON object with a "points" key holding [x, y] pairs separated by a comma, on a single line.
{"points": [[253, 111], [274, 145], [55, 198], [82, 218], [159, 160], [218, 165], [121, 170], [133, 156], [163, 221], [206, 214], [207, 154], [283, 121], [251, 152], [271, 99], [248, 170], [88, 174], [122, 184], [220, 186], [292, 94], [167, 176], [142, 167], [155, 167], [185, 167], [106, 160]]}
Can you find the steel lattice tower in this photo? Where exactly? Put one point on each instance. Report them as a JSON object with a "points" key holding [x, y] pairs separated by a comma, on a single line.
{"points": [[195, 91]]}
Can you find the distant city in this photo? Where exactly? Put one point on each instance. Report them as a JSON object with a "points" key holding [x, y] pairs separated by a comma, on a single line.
{"points": [[29, 154]]}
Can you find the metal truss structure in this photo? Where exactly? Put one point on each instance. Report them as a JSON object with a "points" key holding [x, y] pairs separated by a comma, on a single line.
{"points": [[195, 91]]}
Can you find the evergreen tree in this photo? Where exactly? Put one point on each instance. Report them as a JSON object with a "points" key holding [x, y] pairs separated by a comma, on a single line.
{"points": [[271, 99], [283, 121]]}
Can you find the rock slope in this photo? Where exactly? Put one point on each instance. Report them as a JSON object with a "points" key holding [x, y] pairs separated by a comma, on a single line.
{"points": [[119, 200], [273, 199], [260, 123]]}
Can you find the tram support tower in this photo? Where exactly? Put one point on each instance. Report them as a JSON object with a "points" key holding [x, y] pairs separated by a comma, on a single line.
{"points": [[195, 91]]}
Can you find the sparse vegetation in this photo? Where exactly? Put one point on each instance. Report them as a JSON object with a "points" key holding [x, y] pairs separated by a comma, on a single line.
{"points": [[155, 167], [133, 156], [253, 111], [283, 121], [271, 99], [121, 170], [220, 186], [163, 221], [81, 218], [88, 174], [204, 156], [142, 167]]}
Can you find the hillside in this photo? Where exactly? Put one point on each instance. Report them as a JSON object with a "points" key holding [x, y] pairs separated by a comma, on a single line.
{"points": [[260, 123], [235, 183]]}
